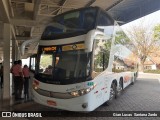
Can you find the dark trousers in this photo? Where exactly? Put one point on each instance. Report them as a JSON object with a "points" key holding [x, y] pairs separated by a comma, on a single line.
{"points": [[1, 81], [18, 86], [26, 86], [14, 79]]}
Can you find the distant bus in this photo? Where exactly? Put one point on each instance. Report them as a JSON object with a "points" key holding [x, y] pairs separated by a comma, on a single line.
{"points": [[84, 60]]}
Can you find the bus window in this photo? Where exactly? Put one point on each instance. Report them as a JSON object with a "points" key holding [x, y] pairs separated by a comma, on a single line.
{"points": [[32, 63], [71, 24], [57, 60], [65, 64], [46, 64], [89, 19], [104, 20], [72, 20], [101, 56], [124, 59]]}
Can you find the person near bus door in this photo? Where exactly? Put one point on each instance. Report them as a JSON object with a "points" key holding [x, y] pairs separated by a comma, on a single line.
{"points": [[18, 79], [12, 68], [25, 71]]}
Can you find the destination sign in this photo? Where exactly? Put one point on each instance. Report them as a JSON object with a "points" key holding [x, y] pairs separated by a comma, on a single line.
{"points": [[73, 47], [49, 49], [65, 47]]}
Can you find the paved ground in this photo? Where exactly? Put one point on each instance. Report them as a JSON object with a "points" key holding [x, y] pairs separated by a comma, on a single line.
{"points": [[144, 95]]}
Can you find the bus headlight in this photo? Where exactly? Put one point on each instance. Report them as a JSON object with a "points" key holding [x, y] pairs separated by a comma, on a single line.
{"points": [[35, 84], [82, 91]]}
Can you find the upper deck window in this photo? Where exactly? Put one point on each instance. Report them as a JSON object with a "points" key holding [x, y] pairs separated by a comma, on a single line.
{"points": [[104, 19], [71, 24]]}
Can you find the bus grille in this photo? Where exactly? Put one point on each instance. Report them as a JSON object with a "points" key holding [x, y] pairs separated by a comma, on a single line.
{"points": [[54, 94]]}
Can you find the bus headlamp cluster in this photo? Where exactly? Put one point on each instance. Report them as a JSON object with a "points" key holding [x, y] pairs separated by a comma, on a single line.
{"points": [[35, 84], [82, 91]]}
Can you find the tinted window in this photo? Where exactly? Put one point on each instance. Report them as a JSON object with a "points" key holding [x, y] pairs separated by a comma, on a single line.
{"points": [[71, 24], [32, 63], [124, 59], [104, 19], [64, 64], [101, 56]]}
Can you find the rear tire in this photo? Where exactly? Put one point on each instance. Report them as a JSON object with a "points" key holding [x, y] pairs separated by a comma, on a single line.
{"points": [[135, 77], [120, 87], [132, 81]]}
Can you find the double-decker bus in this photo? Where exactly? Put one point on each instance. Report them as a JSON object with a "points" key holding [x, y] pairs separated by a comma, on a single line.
{"points": [[84, 59]]}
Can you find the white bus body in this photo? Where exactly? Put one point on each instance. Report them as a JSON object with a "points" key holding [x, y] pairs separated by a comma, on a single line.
{"points": [[89, 93]]}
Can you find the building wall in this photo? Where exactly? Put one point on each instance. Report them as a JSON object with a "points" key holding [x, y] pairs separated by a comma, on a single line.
{"points": [[150, 67]]}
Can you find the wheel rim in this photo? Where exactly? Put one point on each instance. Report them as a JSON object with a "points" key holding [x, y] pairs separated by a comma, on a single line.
{"points": [[112, 94], [120, 87]]}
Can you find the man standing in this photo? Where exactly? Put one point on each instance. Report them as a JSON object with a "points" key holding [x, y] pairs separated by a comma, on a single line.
{"points": [[18, 79], [12, 68]]}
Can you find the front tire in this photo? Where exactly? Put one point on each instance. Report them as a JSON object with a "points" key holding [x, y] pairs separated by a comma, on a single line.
{"points": [[113, 94]]}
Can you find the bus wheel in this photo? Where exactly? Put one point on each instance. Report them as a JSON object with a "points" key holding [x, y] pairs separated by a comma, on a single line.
{"points": [[135, 78], [113, 94], [132, 81], [120, 87]]}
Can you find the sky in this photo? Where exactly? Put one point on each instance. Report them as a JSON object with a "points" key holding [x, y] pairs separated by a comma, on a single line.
{"points": [[150, 20]]}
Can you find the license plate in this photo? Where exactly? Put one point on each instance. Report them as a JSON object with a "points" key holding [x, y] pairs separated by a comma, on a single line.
{"points": [[51, 102]]}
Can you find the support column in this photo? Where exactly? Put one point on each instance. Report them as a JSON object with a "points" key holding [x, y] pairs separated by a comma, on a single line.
{"points": [[13, 59], [17, 52], [6, 61], [13, 51]]}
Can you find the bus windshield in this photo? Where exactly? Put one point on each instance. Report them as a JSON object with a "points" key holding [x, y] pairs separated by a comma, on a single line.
{"points": [[70, 24], [61, 66]]}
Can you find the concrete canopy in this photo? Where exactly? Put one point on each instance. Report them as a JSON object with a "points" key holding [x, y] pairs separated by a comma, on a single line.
{"points": [[129, 10]]}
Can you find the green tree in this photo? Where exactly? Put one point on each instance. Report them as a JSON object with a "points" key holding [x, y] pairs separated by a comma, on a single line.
{"points": [[157, 32], [121, 38], [103, 55], [46, 60]]}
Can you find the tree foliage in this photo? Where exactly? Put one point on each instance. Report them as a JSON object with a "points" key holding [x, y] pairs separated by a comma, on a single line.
{"points": [[145, 41], [121, 38], [45, 61], [157, 32], [102, 58]]}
